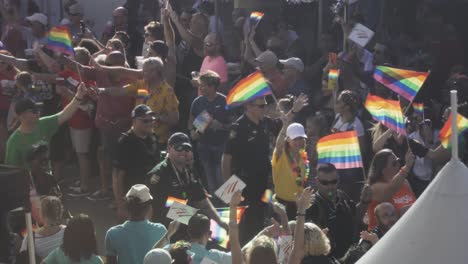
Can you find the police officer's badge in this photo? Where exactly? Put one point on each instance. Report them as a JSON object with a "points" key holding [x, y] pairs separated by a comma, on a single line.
{"points": [[233, 132]]}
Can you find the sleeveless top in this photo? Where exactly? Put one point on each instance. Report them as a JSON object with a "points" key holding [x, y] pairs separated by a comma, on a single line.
{"points": [[402, 198]]}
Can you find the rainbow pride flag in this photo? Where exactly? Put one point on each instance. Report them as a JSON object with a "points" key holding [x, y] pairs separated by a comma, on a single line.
{"points": [[218, 233], [255, 17], [418, 108], [403, 82], [446, 131], [248, 89], [59, 40], [387, 112], [170, 201], [340, 149], [267, 196]]}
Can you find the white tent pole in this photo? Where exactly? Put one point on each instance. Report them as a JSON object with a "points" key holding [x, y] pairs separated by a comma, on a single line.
{"points": [[454, 139], [32, 258]]}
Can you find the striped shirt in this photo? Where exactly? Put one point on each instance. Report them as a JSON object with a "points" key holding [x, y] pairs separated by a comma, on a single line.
{"points": [[45, 245]]}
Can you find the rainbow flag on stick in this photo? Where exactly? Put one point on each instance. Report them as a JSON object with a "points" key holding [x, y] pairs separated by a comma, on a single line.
{"points": [[59, 40], [255, 17], [388, 112], [340, 149], [170, 201], [248, 89], [267, 196], [418, 108], [446, 131], [218, 233], [403, 82]]}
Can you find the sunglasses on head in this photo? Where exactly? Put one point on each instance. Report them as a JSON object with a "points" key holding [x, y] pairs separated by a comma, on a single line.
{"points": [[182, 147], [325, 182]]}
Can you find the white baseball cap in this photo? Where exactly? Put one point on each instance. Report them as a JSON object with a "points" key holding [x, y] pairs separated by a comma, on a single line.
{"points": [[38, 17], [294, 63], [139, 191], [295, 130], [157, 256]]}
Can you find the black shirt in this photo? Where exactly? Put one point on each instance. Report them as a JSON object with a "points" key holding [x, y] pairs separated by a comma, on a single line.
{"points": [[163, 181], [249, 146], [136, 156], [338, 219]]}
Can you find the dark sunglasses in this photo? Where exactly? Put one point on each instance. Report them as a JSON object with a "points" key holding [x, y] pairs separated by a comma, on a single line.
{"points": [[325, 182], [183, 147]]}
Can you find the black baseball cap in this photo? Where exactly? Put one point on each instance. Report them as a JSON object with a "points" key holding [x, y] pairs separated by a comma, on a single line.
{"points": [[25, 104], [178, 140], [141, 110]]}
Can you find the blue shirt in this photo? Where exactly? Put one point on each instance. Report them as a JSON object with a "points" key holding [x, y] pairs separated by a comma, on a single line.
{"points": [[217, 110], [130, 241], [199, 252]]}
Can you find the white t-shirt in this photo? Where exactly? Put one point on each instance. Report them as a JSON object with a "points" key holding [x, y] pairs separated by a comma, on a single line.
{"points": [[45, 245], [341, 126]]}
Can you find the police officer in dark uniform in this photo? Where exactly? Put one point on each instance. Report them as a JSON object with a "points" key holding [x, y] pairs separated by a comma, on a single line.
{"points": [[136, 153], [247, 156], [175, 177]]}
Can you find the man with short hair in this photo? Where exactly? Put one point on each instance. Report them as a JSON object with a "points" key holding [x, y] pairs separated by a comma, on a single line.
{"points": [[199, 232], [33, 129], [136, 153], [386, 216], [75, 14], [247, 156], [130, 241], [119, 23], [212, 139], [333, 209], [175, 177]]}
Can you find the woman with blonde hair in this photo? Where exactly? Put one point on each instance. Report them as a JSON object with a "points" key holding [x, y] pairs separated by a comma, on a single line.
{"points": [[316, 246], [50, 235]]}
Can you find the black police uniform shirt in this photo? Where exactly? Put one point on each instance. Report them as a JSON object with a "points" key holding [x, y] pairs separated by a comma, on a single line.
{"points": [[249, 146], [163, 181], [136, 156]]}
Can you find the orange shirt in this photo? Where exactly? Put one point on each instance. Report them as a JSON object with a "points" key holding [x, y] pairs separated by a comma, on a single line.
{"points": [[400, 199]]}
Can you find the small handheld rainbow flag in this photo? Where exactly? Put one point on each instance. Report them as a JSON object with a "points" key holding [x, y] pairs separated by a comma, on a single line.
{"points": [[446, 131], [267, 196], [403, 82], [247, 89], [387, 112], [170, 201], [340, 149], [333, 75], [142, 93], [418, 108], [218, 233], [255, 17], [59, 40]]}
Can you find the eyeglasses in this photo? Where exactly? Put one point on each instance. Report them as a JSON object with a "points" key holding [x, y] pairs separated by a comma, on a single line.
{"points": [[325, 182], [182, 147]]}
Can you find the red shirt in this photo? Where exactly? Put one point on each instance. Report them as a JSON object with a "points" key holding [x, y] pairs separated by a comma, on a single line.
{"points": [[81, 119]]}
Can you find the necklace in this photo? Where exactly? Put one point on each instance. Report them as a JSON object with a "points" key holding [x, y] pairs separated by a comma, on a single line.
{"points": [[176, 172], [299, 177]]}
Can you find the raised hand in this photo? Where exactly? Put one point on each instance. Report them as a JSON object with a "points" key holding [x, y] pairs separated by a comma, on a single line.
{"points": [[236, 199], [300, 102], [304, 200], [81, 91]]}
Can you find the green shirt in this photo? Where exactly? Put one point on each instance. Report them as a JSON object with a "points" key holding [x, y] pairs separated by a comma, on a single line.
{"points": [[19, 143], [58, 257]]}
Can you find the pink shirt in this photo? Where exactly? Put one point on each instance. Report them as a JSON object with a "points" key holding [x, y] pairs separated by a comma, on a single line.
{"points": [[216, 64]]}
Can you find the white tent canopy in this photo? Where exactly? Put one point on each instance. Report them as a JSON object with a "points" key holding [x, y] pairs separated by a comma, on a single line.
{"points": [[434, 230]]}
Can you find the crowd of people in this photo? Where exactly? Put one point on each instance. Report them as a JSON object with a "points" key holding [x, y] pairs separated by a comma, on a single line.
{"points": [[131, 98]]}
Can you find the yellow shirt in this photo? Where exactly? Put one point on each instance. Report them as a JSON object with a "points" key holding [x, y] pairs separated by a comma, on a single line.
{"points": [[284, 178], [162, 101]]}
